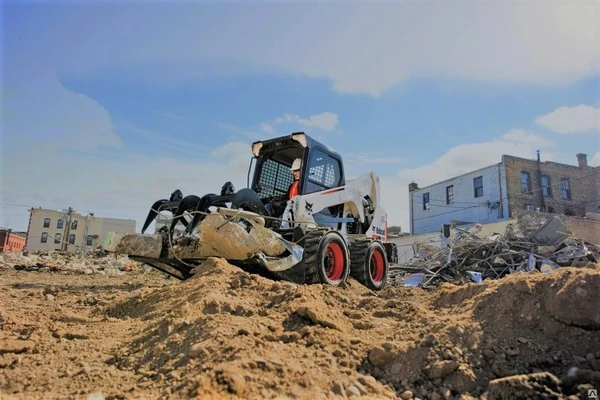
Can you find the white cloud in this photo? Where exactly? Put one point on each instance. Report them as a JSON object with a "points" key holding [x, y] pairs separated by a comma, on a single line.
{"points": [[569, 120], [595, 160], [267, 128], [62, 119], [123, 187], [326, 121], [505, 42], [519, 135]]}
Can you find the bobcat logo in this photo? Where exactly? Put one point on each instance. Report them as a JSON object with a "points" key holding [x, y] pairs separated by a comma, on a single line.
{"points": [[308, 206]]}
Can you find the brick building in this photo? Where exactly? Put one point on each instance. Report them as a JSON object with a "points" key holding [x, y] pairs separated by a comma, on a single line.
{"points": [[11, 242], [552, 187], [505, 190]]}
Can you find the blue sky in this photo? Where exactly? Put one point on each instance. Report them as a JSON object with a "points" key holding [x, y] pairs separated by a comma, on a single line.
{"points": [[108, 106]]}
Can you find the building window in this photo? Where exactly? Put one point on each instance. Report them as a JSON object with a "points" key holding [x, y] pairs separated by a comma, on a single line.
{"points": [[478, 186], [88, 240], [565, 189], [44, 237], [57, 238], [72, 238], [450, 194], [546, 186], [426, 204], [74, 225], [529, 207], [525, 182], [59, 224], [46, 222]]}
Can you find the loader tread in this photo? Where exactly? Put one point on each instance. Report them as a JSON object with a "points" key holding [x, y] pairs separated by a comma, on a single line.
{"points": [[310, 243]]}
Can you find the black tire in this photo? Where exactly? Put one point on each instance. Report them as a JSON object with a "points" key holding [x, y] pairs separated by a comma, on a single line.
{"points": [[326, 258], [369, 264]]}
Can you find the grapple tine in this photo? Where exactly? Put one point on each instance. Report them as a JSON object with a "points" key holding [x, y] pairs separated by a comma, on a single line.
{"points": [[154, 210], [188, 203], [203, 205]]}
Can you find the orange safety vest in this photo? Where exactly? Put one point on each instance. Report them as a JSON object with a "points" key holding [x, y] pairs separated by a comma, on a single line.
{"points": [[293, 191]]}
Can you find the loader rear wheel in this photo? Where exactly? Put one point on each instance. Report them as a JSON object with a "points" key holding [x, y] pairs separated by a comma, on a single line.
{"points": [[369, 264], [326, 258]]}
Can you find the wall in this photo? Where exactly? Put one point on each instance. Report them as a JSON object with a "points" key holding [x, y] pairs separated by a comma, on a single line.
{"points": [[11, 242], [466, 207], [583, 228], [584, 181]]}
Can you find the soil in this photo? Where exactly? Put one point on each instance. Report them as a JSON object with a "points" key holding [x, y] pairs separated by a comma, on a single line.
{"points": [[226, 333]]}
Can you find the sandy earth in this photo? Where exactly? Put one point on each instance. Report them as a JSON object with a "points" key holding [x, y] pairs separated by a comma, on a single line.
{"points": [[229, 334]]}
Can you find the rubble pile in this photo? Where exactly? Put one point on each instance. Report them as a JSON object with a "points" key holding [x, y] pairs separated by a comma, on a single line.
{"points": [[532, 246], [98, 262]]}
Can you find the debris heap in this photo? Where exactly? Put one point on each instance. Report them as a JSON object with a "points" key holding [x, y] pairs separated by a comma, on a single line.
{"points": [[98, 262], [524, 248]]}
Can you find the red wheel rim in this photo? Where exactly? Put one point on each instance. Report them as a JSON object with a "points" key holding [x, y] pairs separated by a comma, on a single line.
{"points": [[334, 262], [377, 266]]}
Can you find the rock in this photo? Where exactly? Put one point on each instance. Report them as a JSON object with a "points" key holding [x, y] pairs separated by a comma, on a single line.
{"points": [[49, 297], [234, 381], [489, 354], [441, 369], [380, 357], [338, 389], [15, 346], [463, 380], [436, 396], [197, 350], [512, 352], [352, 391], [429, 340], [95, 396], [407, 395], [363, 390], [316, 318], [531, 386]]}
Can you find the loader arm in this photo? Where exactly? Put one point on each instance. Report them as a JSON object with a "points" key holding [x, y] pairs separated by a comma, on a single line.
{"points": [[359, 197]]}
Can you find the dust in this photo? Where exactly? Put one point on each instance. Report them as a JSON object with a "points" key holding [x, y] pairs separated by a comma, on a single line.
{"points": [[226, 333]]}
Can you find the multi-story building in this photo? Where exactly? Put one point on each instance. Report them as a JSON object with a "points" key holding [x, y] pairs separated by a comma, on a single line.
{"points": [[70, 231], [11, 242], [505, 190]]}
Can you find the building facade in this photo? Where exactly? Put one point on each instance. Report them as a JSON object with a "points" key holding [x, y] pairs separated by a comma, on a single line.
{"points": [[475, 196], [552, 187], [70, 231], [505, 190], [11, 242]]}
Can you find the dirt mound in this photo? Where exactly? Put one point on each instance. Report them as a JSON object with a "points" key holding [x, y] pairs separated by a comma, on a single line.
{"points": [[226, 333]]}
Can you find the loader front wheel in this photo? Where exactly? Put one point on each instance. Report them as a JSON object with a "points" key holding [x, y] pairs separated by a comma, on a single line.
{"points": [[328, 261], [369, 264]]}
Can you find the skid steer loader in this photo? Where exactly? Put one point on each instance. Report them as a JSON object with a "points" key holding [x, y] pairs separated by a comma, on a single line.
{"points": [[334, 228]]}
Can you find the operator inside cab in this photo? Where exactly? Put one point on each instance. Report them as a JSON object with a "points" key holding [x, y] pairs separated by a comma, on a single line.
{"points": [[295, 186]]}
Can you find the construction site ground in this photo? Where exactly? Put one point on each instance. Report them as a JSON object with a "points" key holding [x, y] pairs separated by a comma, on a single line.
{"points": [[225, 333]]}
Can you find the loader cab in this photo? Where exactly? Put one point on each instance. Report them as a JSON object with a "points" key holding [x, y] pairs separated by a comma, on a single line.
{"points": [[322, 168]]}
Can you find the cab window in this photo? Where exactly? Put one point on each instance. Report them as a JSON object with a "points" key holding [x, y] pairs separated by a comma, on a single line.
{"points": [[323, 172]]}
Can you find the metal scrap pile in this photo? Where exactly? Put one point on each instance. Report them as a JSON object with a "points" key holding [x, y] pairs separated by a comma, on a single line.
{"points": [[521, 249]]}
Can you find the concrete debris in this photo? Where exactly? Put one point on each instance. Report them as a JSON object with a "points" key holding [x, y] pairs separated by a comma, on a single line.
{"points": [[98, 262], [532, 246]]}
